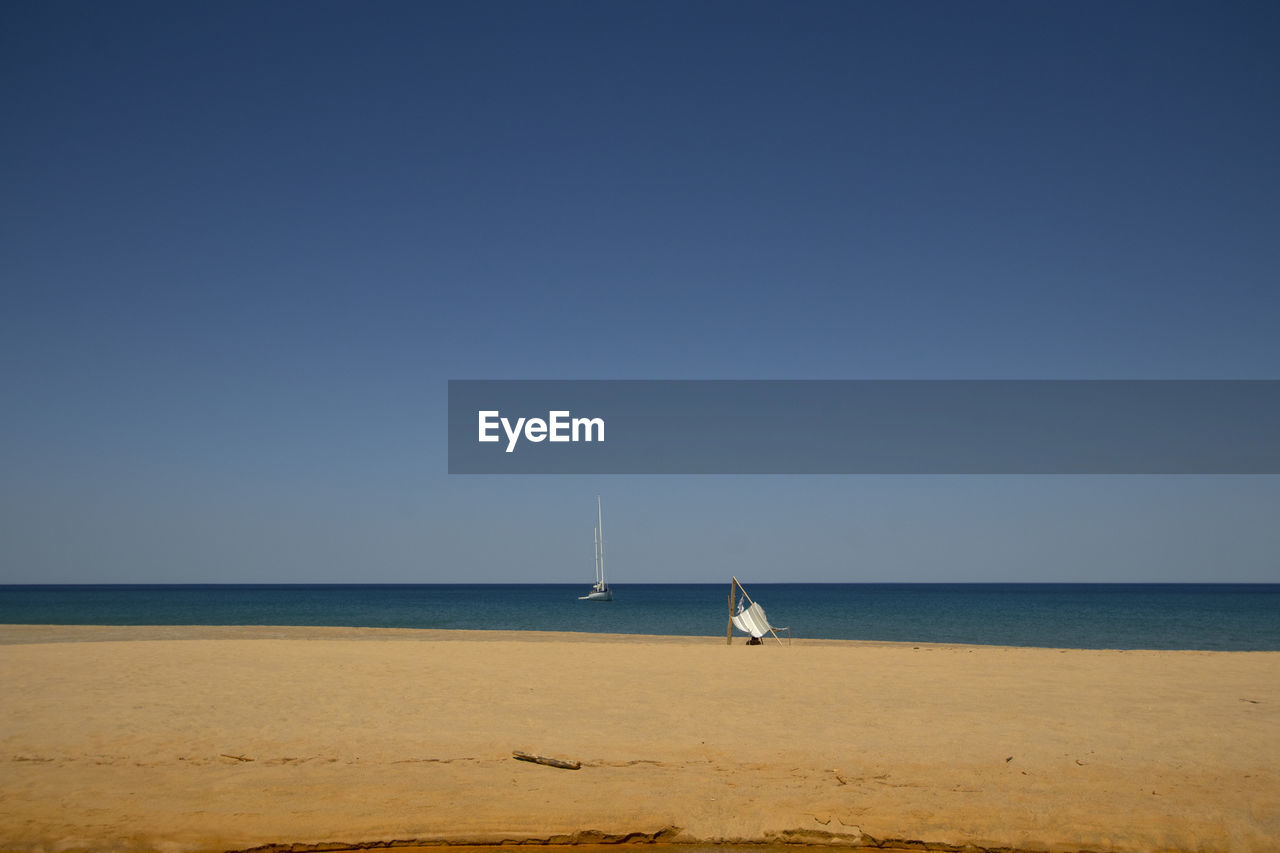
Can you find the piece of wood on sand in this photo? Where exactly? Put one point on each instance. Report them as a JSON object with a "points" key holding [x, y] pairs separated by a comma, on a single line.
{"points": [[550, 762]]}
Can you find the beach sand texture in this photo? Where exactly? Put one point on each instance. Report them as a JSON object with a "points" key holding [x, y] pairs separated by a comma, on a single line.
{"points": [[176, 739]]}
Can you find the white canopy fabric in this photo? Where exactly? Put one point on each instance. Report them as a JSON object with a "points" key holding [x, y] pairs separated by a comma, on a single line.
{"points": [[752, 621]]}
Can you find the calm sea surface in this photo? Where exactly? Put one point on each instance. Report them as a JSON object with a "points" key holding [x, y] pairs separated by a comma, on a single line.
{"points": [[1235, 617]]}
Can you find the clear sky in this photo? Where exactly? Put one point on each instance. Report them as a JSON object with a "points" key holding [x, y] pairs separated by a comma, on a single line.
{"points": [[243, 246]]}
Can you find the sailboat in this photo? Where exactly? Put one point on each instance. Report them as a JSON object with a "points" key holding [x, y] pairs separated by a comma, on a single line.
{"points": [[600, 591]]}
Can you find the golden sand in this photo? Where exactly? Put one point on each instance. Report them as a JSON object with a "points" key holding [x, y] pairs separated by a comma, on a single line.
{"points": [[176, 739]]}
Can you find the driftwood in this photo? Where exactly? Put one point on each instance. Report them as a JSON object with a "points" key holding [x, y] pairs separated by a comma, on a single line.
{"points": [[550, 762]]}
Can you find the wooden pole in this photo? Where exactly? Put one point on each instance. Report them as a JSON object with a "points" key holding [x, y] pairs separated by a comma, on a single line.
{"points": [[728, 631], [550, 762]]}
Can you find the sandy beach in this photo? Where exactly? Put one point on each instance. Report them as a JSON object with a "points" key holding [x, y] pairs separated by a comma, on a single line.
{"points": [[204, 739]]}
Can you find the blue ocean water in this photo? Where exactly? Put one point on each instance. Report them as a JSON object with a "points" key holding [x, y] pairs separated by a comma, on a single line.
{"points": [[1228, 617]]}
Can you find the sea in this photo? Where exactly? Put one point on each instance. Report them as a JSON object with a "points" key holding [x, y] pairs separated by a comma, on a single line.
{"points": [[1216, 617]]}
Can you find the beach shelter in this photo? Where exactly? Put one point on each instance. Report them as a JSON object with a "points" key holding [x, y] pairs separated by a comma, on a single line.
{"points": [[748, 617]]}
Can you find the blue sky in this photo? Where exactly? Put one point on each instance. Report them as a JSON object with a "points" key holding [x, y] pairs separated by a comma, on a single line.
{"points": [[245, 245]]}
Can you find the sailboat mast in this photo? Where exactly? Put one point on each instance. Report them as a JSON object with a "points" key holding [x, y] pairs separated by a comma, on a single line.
{"points": [[595, 541], [600, 527]]}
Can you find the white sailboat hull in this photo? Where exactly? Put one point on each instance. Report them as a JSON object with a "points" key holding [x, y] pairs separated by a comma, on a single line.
{"points": [[597, 596]]}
